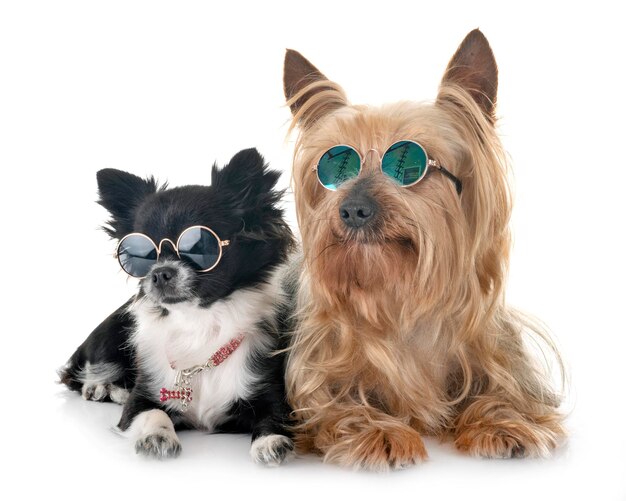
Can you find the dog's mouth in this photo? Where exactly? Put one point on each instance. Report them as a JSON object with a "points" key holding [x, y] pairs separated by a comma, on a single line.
{"points": [[406, 243], [161, 297], [361, 236], [175, 299], [168, 283], [372, 238]]}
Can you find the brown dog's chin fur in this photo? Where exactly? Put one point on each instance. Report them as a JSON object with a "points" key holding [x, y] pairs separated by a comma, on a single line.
{"points": [[402, 329], [356, 278]]}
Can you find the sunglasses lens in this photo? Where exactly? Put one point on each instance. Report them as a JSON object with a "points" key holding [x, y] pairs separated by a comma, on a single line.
{"points": [[136, 254], [405, 162], [337, 165], [199, 247]]}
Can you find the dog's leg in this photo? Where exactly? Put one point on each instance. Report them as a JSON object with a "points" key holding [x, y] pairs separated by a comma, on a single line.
{"points": [[491, 427], [271, 444], [363, 437], [100, 368], [150, 427]]}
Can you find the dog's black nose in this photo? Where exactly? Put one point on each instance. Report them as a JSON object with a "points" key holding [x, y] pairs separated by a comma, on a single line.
{"points": [[163, 276], [357, 211]]}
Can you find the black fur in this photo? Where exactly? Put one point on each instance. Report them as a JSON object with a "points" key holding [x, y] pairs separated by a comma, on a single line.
{"points": [[108, 343], [241, 206]]}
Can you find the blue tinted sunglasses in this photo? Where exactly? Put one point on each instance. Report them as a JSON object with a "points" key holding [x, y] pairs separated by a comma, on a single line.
{"points": [[406, 162]]}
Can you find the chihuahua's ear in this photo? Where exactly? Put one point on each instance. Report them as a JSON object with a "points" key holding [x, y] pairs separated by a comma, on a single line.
{"points": [[246, 180], [246, 187], [121, 193], [473, 67], [309, 94]]}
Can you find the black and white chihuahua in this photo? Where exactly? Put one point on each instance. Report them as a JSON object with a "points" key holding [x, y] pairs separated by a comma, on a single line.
{"points": [[196, 346]]}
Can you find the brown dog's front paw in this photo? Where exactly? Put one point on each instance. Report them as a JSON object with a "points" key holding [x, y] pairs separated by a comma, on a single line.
{"points": [[493, 428], [507, 440], [379, 449]]}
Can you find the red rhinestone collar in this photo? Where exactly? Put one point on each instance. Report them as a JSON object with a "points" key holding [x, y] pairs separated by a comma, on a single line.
{"points": [[182, 385]]}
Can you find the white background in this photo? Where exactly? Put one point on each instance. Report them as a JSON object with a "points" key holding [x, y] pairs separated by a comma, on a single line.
{"points": [[166, 88]]}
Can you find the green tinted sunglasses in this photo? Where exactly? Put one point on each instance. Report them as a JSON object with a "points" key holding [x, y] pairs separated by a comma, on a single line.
{"points": [[406, 162]]}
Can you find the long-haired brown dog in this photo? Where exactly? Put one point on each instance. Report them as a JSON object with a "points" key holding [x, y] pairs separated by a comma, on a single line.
{"points": [[402, 328]]}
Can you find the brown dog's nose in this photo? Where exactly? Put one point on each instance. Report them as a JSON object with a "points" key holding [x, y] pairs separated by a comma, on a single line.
{"points": [[357, 211]]}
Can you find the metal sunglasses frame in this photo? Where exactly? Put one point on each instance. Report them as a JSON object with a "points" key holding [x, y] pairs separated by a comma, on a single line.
{"points": [[221, 243], [430, 162]]}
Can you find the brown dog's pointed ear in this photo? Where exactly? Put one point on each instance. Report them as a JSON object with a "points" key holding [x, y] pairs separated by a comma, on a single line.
{"points": [[473, 67], [299, 74]]}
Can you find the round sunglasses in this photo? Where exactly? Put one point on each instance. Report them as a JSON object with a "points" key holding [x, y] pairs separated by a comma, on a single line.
{"points": [[406, 162], [198, 245]]}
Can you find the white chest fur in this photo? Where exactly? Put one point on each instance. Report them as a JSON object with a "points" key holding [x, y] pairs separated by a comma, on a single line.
{"points": [[188, 335]]}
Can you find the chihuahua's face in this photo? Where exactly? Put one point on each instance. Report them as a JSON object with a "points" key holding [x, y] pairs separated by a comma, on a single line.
{"points": [[234, 222], [164, 217]]}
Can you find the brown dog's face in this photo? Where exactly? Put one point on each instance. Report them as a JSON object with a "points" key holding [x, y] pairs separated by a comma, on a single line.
{"points": [[373, 240]]}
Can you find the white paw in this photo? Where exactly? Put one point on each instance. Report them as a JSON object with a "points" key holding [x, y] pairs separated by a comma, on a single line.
{"points": [[94, 391], [271, 450], [118, 394], [161, 444], [99, 392]]}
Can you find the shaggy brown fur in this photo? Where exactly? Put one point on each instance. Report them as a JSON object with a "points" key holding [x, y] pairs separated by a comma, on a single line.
{"points": [[403, 329]]}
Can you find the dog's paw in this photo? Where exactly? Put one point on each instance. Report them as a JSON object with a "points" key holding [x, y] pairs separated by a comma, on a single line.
{"points": [[161, 444], [96, 392], [502, 441], [490, 443], [99, 392], [271, 450], [377, 449], [492, 428], [118, 394]]}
